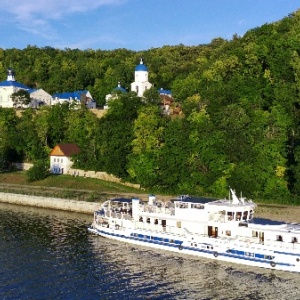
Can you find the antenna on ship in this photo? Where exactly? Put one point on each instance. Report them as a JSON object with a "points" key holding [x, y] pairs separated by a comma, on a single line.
{"points": [[235, 199]]}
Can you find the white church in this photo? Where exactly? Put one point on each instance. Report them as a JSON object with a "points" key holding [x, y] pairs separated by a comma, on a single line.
{"points": [[10, 86], [141, 83]]}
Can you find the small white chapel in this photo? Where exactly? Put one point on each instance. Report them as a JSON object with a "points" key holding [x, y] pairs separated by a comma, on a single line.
{"points": [[10, 86], [141, 83]]}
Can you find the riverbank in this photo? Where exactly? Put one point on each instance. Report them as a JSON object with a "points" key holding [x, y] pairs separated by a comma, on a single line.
{"points": [[70, 193], [267, 211], [52, 203], [285, 213]]}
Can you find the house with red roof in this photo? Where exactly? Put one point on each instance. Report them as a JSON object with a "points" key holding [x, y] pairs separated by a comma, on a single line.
{"points": [[61, 158]]}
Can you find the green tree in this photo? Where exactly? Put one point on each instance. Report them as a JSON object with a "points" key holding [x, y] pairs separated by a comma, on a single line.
{"points": [[39, 171], [9, 139], [20, 98], [29, 137], [148, 139], [115, 134], [82, 127], [151, 97]]}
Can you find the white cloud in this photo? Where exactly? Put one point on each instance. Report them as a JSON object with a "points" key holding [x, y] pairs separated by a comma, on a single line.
{"points": [[51, 9], [35, 16]]}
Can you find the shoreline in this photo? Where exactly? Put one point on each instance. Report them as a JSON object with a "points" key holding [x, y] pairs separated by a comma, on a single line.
{"points": [[50, 203], [283, 213], [276, 212]]}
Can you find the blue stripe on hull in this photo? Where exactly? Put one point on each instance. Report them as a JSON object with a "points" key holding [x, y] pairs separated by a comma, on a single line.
{"points": [[287, 253], [195, 250]]}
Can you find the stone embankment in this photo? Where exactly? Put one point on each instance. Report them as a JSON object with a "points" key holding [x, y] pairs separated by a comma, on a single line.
{"points": [[52, 203], [273, 212]]}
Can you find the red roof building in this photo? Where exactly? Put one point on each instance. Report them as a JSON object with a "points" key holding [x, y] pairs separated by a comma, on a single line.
{"points": [[60, 158]]}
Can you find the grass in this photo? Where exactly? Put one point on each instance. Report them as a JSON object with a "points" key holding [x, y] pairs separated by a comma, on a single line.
{"points": [[64, 186], [96, 190]]}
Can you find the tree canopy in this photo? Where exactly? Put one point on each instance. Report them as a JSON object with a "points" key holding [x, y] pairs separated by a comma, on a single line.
{"points": [[240, 100]]}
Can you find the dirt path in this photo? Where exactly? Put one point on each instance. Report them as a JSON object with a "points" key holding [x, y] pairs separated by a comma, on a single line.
{"points": [[278, 212]]}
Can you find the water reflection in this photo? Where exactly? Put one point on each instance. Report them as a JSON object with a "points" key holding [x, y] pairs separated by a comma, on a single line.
{"points": [[47, 254]]}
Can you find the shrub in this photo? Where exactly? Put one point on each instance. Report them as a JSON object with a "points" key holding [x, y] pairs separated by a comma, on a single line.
{"points": [[39, 171]]}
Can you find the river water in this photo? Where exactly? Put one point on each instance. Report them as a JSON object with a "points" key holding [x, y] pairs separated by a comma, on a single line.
{"points": [[47, 254]]}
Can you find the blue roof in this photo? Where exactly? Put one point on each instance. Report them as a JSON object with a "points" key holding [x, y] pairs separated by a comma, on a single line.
{"points": [[14, 84], [141, 67], [164, 92], [68, 95], [121, 89], [126, 200], [32, 90]]}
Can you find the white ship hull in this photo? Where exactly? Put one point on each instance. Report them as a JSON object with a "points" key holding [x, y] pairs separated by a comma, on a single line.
{"points": [[246, 244]]}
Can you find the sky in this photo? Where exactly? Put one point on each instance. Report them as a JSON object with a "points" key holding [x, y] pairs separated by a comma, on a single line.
{"points": [[132, 24]]}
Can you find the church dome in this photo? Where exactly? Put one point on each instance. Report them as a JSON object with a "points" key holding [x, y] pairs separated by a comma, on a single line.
{"points": [[120, 88], [141, 67]]}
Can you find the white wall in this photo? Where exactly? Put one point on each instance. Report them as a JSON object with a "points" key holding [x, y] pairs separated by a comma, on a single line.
{"points": [[54, 203], [60, 164], [5, 93]]}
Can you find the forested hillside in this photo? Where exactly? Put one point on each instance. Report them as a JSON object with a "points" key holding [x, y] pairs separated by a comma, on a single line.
{"points": [[240, 123]]}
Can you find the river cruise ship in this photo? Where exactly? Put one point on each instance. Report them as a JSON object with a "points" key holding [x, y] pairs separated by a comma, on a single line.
{"points": [[223, 230]]}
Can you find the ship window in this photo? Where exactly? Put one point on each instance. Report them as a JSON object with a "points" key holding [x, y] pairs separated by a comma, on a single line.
{"points": [[184, 205], [268, 257], [254, 234], [156, 221], [279, 238], [178, 224], [251, 214], [228, 232], [148, 220], [294, 240], [141, 219], [197, 206]]}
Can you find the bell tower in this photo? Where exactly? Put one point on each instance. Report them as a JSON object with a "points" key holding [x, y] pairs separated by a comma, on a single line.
{"points": [[10, 75], [141, 83]]}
